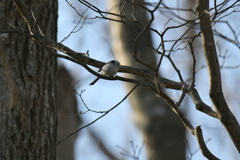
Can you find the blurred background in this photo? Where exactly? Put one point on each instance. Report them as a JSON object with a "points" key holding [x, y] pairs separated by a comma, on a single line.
{"points": [[142, 127]]}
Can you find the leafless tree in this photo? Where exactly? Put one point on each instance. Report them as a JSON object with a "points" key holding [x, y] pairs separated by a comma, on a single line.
{"points": [[204, 20]]}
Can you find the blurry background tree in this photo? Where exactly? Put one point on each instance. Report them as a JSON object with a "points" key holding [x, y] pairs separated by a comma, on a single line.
{"points": [[170, 26], [66, 107], [157, 122]]}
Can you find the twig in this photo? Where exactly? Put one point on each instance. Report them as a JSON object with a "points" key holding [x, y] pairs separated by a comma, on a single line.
{"points": [[66, 137]]}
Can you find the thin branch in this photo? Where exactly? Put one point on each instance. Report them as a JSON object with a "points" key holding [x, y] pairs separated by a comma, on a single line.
{"points": [[105, 151], [59, 141]]}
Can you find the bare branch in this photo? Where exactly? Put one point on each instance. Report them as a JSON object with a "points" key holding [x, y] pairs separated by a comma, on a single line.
{"points": [[105, 151], [216, 94], [152, 80], [91, 122], [203, 147]]}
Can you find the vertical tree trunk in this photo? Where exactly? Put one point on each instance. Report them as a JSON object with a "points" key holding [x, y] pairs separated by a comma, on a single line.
{"points": [[27, 85], [163, 132], [66, 106]]}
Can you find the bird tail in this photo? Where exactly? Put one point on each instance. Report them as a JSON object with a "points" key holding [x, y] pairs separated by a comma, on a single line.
{"points": [[93, 82]]}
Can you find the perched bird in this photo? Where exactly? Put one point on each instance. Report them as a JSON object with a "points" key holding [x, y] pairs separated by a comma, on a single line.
{"points": [[109, 70]]}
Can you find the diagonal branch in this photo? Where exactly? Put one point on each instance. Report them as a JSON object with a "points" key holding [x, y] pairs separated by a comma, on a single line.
{"points": [[69, 135], [202, 144], [84, 61]]}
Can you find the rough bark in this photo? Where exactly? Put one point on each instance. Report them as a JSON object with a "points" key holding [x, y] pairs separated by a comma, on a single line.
{"points": [[162, 130], [27, 85]]}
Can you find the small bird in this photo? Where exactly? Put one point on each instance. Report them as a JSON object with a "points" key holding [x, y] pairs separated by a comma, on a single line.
{"points": [[109, 70]]}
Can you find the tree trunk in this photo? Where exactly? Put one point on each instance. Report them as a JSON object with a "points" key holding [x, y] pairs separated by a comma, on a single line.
{"points": [[66, 107], [163, 133], [27, 85]]}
